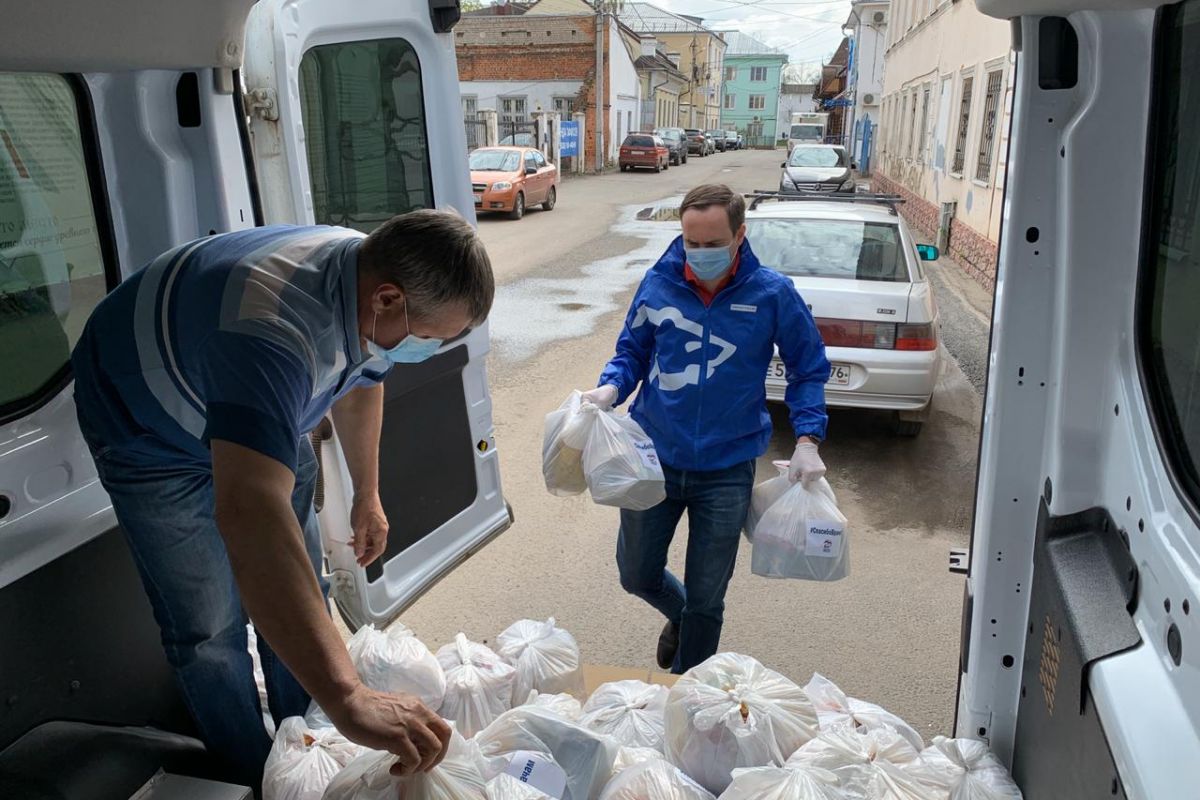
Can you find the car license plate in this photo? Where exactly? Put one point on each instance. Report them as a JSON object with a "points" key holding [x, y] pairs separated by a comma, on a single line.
{"points": [[637, 152], [839, 374]]}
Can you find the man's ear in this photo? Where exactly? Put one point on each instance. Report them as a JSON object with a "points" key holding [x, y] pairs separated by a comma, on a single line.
{"points": [[740, 236], [386, 297]]}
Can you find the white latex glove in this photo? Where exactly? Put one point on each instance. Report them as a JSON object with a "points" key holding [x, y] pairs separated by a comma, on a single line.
{"points": [[602, 397], [807, 466]]}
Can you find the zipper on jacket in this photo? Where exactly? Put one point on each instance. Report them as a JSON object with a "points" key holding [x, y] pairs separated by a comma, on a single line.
{"points": [[705, 330]]}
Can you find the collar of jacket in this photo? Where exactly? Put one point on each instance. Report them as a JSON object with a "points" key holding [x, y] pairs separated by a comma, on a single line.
{"points": [[670, 265]]}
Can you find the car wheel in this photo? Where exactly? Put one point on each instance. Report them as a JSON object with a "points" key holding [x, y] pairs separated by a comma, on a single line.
{"points": [[904, 427], [657, 166], [551, 199], [518, 210]]}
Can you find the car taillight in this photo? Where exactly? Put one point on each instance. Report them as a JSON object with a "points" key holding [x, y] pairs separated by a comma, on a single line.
{"points": [[855, 333], [916, 337]]}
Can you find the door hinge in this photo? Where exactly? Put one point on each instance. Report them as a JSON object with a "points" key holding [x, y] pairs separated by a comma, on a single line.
{"points": [[960, 560], [261, 103]]}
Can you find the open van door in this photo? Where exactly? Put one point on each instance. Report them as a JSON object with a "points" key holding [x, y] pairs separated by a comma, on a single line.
{"points": [[350, 125]]}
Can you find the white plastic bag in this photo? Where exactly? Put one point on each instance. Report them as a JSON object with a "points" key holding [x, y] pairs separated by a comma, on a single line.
{"points": [[654, 780], [632, 756], [764, 495], [585, 756], [546, 658], [479, 684], [964, 769], [396, 661], [802, 535], [506, 787], [563, 437], [303, 761], [629, 711], [620, 462], [782, 783], [732, 712], [562, 704], [855, 758], [462, 775], [835, 709]]}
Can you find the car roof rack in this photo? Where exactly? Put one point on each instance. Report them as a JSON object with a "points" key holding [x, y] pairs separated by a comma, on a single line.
{"points": [[889, 200]]}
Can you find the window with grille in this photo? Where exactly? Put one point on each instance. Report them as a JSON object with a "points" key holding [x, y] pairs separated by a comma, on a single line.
{"points": [[987, 139], [964, 121], [758, 101], [924, 123], [565, 106], [914, 146], [470, 106], [731, 73], [729, 100], [758, 73], [512, 109]]}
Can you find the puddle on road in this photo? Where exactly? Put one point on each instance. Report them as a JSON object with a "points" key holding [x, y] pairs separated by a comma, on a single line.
{"points": [[534, 312]]}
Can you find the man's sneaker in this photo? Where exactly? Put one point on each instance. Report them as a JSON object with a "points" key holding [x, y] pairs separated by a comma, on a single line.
{"points": [[668, 645]]}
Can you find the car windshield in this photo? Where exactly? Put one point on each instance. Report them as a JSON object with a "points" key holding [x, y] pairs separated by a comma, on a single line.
{"points": [[817, 157], [808, 132], [638, 141], [670, 135], [494, 161], [826, 248], [717, 133]]}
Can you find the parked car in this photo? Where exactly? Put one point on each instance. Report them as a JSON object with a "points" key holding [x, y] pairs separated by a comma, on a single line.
{"points": [[710, 146], [859, 270], [644, 150], [696, 142], [731, 140], [519, 140], [510, 179], [817, 168], [677, 144], [718, 137]]}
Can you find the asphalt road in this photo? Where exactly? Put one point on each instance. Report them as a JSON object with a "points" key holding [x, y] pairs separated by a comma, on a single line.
{"points": [[888, 632]]}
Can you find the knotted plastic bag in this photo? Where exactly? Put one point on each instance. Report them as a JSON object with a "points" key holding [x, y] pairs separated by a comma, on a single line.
{"points": [[629, 711], [546, 658], [732, 712], [964, 769], [632, 756], [776, 783], [396, 661], [654, 780], [764, 495], [479, 684], [563, 437], [562, 704], [857, 760], [462, 775], [620, 463], [303, 761], [835, 710], [802, 535], [506, 787]]}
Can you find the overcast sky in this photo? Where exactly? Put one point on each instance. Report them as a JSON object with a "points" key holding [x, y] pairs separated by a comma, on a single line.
{"points": [[807, 30]]}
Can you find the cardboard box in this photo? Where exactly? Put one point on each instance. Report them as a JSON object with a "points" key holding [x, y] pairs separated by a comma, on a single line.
{"points": [[596, 674]]}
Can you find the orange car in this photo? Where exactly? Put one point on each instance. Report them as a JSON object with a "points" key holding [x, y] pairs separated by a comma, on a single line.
{"points": [[511, 179]]}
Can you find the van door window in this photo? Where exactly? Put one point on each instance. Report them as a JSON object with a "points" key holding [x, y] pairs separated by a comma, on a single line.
{"points": [[364, 125], [52, 268], [1171, 325]]}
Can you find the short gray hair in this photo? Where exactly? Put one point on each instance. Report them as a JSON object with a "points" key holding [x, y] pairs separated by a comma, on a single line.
{"points": [[436, 257]]}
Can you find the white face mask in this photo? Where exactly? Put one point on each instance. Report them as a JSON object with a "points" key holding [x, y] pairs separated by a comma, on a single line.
{"points": [[412, 349]]}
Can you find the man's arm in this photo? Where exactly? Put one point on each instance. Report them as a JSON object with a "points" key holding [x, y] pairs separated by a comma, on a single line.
{"points": [[631, 362], [280, 593], [803, 354], [358, 418]]}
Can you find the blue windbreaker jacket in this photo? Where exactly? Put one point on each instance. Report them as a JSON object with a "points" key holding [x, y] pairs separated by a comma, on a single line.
{"points": [[702, 370]]}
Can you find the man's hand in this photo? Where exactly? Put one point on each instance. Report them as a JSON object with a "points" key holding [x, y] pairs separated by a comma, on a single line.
{"points": [[398, 723], [370, 527], [602, 397], [807, 466]]}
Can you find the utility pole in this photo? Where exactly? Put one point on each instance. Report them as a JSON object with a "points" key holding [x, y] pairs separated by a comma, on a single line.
{"points": [[600, 87]]}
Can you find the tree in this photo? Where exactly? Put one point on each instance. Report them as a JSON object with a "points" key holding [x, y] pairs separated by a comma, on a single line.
{"points": [[471, 5]]}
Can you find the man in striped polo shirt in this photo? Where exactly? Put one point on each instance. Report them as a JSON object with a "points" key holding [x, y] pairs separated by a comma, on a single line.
{"points": [[196, 382]]}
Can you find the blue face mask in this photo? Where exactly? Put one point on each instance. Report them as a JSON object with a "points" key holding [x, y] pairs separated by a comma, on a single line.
{"points": [[708, 263], [412, 349]]}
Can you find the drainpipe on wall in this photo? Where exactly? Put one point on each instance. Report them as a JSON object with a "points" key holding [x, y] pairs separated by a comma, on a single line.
{"points": [[600, 160]]}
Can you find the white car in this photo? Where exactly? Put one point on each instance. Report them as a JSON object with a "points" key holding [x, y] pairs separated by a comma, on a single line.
{"points": [[859, 270]]}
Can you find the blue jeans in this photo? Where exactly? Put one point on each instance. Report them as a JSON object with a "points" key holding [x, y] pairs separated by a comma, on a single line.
{"points": [[716, 503], [166, 512]]}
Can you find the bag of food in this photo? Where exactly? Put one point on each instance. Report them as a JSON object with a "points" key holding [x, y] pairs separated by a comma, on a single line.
{"points": [[586, 757], [629, 711], [802, 535], [506, 787], [632, 756], [732, 712], [546, 658], [303, 761], [654, 780], [396, 661], [565, 705], [479, 684], [462, 775], [835, 709], [776, 783], [764, 495], [620, 462], [964, 769], [855, 759], [563, 437]]}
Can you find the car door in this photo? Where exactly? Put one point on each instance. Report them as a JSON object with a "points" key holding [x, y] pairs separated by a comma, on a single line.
{"points": [[348, 130], [535, 192], [546, 173]]}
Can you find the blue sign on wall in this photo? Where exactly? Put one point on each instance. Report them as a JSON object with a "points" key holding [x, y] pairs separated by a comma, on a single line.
{"points": [[568, 139]]}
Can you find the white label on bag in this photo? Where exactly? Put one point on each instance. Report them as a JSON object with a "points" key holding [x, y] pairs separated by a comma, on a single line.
{"points": [[648, 453], [824, 538], [539, 772]]}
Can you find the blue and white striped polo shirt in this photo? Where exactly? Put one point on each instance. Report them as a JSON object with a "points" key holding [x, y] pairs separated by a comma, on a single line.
{"points": [[248, 337]]}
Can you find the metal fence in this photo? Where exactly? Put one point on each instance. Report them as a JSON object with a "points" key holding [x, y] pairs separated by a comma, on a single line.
{"points": [[522, 133], [476, 133]]}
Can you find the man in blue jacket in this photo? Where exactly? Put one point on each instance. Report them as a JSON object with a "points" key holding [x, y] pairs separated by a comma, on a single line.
{"points": [[698, 339]]}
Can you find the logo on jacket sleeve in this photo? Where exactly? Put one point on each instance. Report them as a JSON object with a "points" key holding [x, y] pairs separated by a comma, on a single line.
{"points": [[689, 375]]}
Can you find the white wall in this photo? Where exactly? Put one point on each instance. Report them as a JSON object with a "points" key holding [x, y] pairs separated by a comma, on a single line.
{"points": [[789, 103], [487, 93], [624, 93]]}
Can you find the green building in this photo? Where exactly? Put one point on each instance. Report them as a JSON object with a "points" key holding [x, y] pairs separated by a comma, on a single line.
{"points": [[750, 89]]}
